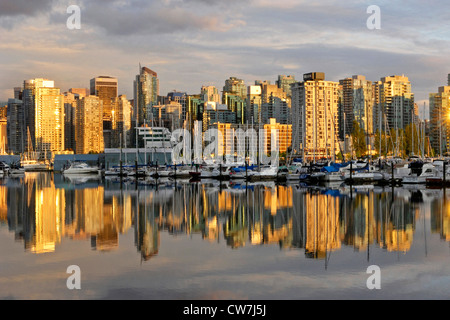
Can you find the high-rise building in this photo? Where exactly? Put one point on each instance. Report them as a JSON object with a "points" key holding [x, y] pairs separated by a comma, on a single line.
{"points": [[210, 93], [284, 82], [440, 120], [70, 104], [356, 104], [274, 104], [266, 101], [16, 129], [121, 122], [315, 117], [29, 105], [236, 104], [395, 108], [284, 135], [3, 130], [235, 86], [106, 88], [89, 125], [217, 113], [194, 105], [146, 91], [253, 104], [49, 121], [18, 93], [167, 115]]}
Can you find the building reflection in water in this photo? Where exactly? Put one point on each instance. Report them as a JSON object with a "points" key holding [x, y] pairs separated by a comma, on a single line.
{"points": [[42, 209]]}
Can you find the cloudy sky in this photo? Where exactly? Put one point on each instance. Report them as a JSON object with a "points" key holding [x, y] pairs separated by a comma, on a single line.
{"points": [[191, 43]]}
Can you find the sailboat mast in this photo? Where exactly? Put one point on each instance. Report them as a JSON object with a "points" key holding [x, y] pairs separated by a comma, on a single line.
{"points": [[326, 124]]}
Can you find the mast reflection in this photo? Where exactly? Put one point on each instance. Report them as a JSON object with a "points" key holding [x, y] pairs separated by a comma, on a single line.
{"points": [[43, 209]]}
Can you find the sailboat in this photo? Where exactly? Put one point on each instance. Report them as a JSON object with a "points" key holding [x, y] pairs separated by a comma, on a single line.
{"points": [[29, 160]]}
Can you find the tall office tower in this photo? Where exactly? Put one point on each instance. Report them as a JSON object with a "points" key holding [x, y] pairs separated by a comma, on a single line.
{"points": [[89, 125], [210, 93], [16, 129], [448, 79], [315, 117], [146, 91], [121, 122], [235, 86], [253, 104], [106, 89], [284, 82], [377, 115], [49, 121], [356, 103], [3, 128], [440, 120], [395, 106], [192, 110], [70, 104], [29, 105]]}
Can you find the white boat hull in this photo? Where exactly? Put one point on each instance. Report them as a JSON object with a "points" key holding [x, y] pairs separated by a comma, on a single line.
{"points": [[87, 171]]}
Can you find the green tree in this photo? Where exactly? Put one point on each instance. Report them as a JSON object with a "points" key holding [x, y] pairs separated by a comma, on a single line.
{"points": [[359, 140]]}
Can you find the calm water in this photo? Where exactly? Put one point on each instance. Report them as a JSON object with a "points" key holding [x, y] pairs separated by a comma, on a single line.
{"points": [[211, 241]]}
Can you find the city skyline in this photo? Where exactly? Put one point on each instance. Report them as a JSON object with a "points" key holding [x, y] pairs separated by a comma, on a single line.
{"points": [[198, 43]]}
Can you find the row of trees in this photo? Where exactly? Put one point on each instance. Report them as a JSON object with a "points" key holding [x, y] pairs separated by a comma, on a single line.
{"points": [[401, 143]]}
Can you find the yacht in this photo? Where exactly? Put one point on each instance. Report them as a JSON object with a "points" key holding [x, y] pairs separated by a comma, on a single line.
{"points": [[428, 171], [16, 171], [4, 167], [266, 173], [34, 165], [81, 168], [241, 173], [161, 172], [115, 171], [362, 173], [333, 177], [180, 172]]}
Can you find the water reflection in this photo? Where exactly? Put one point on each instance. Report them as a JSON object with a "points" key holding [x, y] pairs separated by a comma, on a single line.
{"points": [[42, 209]]}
